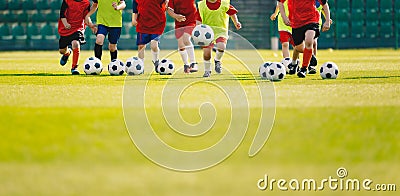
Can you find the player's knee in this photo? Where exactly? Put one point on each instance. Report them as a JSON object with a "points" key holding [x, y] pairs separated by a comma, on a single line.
{"points": [[75, 44], [285, 44], [112, 47]]}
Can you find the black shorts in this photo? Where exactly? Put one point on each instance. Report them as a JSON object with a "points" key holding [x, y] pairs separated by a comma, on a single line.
{"points": [[299, 34], [65, 41]]}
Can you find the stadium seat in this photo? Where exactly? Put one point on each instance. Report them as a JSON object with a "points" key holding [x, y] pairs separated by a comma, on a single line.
{"points": [[48, 32], [55, 5], [38, 17], [386, 30], [52, 16], [343, 4], [372, 6], [128, 5], [33, 32], [18, 31], [22, 17], [127, 17], [15, 5], [342, 15], [28, 5], [342, 29], [357, 30], [42, 5], [3, 5], [9, 17], [5, 33], [132, 32], [125, 32], [386, 6], [386, 17], [357, 5], [372, 29]]}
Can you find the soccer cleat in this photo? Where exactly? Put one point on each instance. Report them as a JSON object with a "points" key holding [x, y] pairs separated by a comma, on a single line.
{"points": [[193, 67], [218, 67], [313, 64], [186, 69], [156, 65], [207, 74], [293, 68], [74, 71], [64, 58], [302, 73]]}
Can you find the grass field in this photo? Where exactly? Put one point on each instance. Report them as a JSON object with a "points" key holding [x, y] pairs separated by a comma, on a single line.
{"points": [[66, 135]]}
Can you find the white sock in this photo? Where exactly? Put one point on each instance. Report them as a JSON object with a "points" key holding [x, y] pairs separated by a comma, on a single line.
{"points": [[218, 55], [207, 65], [184, 56], [141, 59], [190, 52], [154, 55]]}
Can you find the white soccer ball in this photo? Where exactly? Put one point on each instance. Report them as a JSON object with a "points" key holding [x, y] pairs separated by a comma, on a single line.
{"points": [[285, 62], [264, 69], [92, 66], [166, 67], [202, 35], [276, 72], [134, 66], [116, 67], [329, 70]]}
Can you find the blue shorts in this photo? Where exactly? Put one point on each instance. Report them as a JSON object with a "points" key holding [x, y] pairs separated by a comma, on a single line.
{"points": [[144, 38], [113, 33]]}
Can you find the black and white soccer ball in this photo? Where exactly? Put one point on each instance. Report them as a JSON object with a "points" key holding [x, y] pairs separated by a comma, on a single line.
{"points": [[202, 35], [166, 67], [92, 66], [116, 67], [329, 70], [276, 72], [263, 70], [134, 66]]}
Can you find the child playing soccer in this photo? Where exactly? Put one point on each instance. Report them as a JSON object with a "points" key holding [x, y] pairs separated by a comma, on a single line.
{"points": [[71, 27], [109, 21], [285, 32], [216, 13], [149, 18], [304, 20], [184, 13]]}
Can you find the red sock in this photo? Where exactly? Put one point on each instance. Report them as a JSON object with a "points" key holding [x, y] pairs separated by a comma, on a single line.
{"points": [[75, 58], [307, 54]]}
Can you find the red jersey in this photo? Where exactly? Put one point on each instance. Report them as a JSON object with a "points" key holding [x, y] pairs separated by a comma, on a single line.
{"points": [[303, 12], [74, 11], [151, 16], [186, 8]]}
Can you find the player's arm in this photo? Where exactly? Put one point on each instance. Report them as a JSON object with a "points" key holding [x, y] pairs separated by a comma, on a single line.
{"points": [[327, 23], [88, 21], [92, 10], [134, 12], [283, 12], [323, 13], [63, 19], [232, 12], [276, 12], [198, 18], [119, 6], [171, 12]]}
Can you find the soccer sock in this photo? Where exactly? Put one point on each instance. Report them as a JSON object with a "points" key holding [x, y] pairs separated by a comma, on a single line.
{"points": [[306, 57], [98, 50], [218, 55], [114, 55], [184, 56], [207, 65], [154, 55], [190, 53], [75, 58]]}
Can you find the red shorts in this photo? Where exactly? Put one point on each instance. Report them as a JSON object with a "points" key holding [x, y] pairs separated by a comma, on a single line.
{"points": [[179, 31], [285, 36], [218, 40]]}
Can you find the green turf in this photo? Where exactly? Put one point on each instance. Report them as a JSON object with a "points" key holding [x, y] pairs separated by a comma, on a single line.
{"points": [[65, 135]]}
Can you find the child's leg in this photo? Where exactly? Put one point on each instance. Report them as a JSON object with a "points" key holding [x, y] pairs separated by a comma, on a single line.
{"points": [[285, 50], [76, 53], [98, 47], [315, 46], [182, 49], [308, 50], [141, 49], [154, 50], [113, 51], [207, 62], [221, 46]]}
